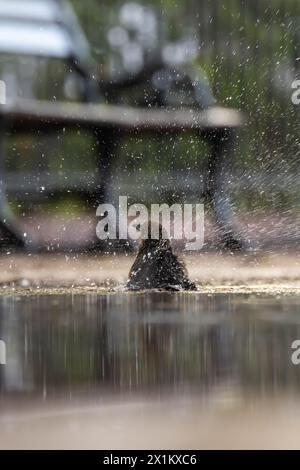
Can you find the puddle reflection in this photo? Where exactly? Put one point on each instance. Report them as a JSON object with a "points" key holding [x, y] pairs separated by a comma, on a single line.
{"points": [[148, 343]]}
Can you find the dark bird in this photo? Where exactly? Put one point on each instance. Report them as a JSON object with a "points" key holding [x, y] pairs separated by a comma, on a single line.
{"points": [[156, 267]]}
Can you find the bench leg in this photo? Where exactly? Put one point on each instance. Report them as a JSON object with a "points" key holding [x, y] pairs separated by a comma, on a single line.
{"points": [[10, 235], [107, 142], [216, 189]]}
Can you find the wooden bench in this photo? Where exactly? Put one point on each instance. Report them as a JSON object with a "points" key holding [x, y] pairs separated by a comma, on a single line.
{"points": [[217, 125]]}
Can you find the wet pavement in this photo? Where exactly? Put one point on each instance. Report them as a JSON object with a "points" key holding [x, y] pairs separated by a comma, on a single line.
{"points": [[60, 270], [162, 370]]}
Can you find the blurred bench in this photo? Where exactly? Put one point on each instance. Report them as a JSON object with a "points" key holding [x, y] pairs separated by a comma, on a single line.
{"points": [[32, 115], [54, 32], [108, 123]]}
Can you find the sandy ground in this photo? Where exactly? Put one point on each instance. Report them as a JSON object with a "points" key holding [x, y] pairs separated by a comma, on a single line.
{"points": [[274, 273], [141, 424]]}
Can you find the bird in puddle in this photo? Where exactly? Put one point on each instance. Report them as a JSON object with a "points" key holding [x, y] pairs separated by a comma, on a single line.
{"points": [[157, 267]]}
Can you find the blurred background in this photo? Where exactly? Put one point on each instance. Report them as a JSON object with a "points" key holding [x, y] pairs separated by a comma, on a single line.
{"points": [[246, 53], [150, 369]]}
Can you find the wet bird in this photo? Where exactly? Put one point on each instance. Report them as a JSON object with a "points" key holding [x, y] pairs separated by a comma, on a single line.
{"points": [[157, 267]]}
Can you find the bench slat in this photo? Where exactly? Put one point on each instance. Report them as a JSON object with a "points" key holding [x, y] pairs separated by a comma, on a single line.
{"points": [[32, 114]]}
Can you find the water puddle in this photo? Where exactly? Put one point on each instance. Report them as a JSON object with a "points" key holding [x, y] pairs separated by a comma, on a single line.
{"points": [[149, 370]]}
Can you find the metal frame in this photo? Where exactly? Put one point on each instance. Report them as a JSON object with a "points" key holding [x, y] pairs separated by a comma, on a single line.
{"points": [[110, 123]]}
